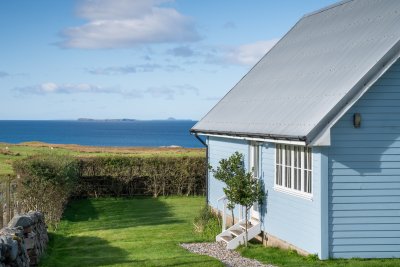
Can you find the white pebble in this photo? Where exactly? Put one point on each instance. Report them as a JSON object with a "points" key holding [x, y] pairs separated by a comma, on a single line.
{"points": [[230, 258]]}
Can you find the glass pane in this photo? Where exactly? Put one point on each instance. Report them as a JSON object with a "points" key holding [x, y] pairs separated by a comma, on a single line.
{"points": [[299, 180], [305, 181], [305, 158], [299, 157]]}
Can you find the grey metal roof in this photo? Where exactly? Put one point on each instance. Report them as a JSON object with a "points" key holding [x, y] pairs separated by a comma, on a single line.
{"points": [[299, 86]]}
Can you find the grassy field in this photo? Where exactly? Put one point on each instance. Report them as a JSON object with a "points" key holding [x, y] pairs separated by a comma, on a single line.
{"points": [[11, 152], [284, 258], [127, 232]]}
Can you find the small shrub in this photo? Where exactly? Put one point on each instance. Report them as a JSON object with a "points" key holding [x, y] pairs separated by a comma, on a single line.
{"points": [[207, 224]]}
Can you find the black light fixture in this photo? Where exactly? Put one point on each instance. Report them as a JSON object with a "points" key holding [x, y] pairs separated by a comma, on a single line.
{"points": [[357, 120]]}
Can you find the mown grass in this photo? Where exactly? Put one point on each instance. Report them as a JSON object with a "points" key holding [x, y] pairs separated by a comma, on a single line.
{"points": [[127, 232], [11, 152], [285, 258]]}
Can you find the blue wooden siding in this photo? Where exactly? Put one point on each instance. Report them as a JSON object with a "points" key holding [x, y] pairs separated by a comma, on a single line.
{"points": [[222, 148], [364, 175], [291, 218]]}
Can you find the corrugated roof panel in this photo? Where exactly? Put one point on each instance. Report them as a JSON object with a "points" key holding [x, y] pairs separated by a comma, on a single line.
{"points": [[310, 71]]}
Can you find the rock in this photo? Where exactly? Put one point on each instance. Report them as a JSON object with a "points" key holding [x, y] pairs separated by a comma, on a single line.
{"points": [[24, 240], [24, 221]]}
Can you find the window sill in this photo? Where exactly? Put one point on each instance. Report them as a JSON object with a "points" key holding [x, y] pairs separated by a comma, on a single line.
{"points": [[291, 192]]}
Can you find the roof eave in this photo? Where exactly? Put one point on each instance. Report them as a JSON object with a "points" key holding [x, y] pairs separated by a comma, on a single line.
{"points": [[262, 137]]}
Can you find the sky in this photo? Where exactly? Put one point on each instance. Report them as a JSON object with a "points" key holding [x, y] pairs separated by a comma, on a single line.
{"points": [[138, 59]]}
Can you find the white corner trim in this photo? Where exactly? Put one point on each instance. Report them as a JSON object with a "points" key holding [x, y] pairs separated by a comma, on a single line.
{"points": [[292, 192]]}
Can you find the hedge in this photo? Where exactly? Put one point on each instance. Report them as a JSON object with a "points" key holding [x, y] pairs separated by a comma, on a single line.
{"points": [[130, 176], [47, 182]]}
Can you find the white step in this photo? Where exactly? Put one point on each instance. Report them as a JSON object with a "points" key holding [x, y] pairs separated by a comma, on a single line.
{"points": [[237, 232], [235, 235], [243, 225], [226, 238]]}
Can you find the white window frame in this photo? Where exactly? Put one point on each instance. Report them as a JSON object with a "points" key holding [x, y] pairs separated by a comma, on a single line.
{"points": [[290, 190]]}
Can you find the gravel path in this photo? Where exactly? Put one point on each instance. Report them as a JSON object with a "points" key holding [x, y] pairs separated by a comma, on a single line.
{"points": [[228, 257]]}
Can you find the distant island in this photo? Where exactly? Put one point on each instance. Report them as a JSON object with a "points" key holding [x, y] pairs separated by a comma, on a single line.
{"points": [[110, 120], [128, 120]]}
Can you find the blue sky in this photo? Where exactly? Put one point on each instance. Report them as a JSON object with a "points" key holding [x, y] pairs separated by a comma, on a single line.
{"points": [[142, 59]]}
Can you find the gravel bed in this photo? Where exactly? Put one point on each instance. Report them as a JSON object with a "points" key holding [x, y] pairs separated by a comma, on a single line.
{"points": [[229, 258]]}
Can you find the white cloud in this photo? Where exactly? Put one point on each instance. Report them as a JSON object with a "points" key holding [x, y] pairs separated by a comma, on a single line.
{"points": [[126, 23], [246, 54], [249, 54], [164, 92], [131, 69], [53, 88]]}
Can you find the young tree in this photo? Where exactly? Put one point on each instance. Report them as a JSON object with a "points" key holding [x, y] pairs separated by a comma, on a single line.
{"points": [[241, 187]]}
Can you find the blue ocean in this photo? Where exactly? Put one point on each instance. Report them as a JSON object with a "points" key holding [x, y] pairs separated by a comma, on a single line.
{"points": [[101, 133]]}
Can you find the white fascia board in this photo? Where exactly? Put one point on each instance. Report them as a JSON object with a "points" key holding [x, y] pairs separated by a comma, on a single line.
{"points": [[268, 140]]}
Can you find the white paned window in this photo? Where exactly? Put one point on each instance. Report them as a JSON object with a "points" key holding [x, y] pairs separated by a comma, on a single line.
{"points": [[293, 169]]}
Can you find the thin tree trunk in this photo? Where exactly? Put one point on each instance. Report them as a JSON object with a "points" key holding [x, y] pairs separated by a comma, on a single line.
{"points": [[233, 217], [247, 236]]}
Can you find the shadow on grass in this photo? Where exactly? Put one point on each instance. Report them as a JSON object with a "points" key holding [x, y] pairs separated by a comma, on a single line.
{"points": [[85, 211], [82, 251], [120, 213]]}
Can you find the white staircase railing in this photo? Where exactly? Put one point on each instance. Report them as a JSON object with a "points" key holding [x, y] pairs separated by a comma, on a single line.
{"points": [[235, 235]]}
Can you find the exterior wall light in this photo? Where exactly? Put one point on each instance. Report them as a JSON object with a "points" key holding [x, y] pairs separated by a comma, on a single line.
{"points": [[357, 120]]}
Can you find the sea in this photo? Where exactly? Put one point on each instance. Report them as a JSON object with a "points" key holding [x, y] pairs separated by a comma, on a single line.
{"points": [[156, 133]]}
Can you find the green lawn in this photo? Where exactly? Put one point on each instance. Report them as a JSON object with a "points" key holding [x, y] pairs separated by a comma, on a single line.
{"points": [[286, 258], [127, 232]]}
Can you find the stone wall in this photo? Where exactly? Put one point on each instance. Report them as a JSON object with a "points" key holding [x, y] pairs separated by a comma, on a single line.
{"points": [[23, 241]]}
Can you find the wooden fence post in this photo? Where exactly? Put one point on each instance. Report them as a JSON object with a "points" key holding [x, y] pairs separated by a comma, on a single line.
{"points": [[8, 202], [1, 212]]}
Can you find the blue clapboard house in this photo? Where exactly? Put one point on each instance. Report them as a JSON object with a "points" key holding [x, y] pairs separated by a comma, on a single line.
{"points": [[318, 120]]}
